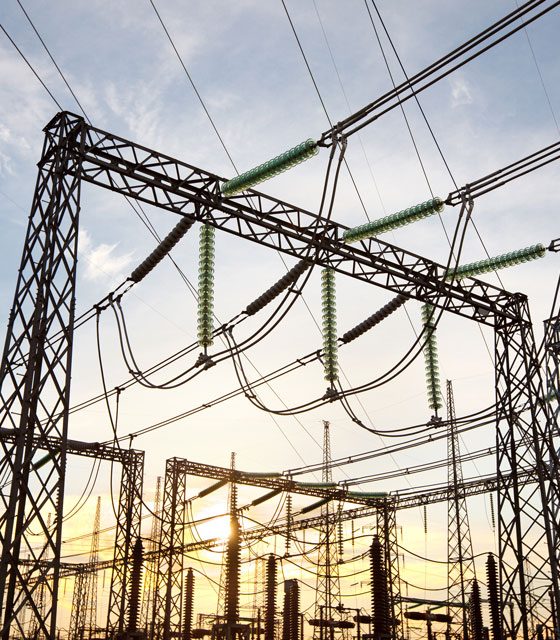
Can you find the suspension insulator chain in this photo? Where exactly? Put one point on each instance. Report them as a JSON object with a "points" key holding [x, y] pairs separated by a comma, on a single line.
{"points": [[330, 344], [271, 168], [163, 248], [503, 261], [393, 221], [285, 281], [206, 286], [435, 401], [374, 319]]}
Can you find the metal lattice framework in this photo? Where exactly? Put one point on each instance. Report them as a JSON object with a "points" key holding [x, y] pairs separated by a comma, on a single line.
{"points": [[130, 497], [170, 566], [461, 570], [387, 533], [37, 401]]}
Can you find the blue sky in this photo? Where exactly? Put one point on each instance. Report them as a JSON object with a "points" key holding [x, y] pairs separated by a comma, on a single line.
{"points": [[249, 71]]}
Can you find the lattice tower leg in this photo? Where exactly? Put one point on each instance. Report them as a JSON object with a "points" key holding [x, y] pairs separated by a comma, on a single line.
{"points": [[35, 385], [170, 567], [387, 532], [526, 440], [129, 518], [459, 545]]}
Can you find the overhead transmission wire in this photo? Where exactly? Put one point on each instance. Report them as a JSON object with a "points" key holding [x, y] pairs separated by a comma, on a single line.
{"points": [[294, 31], [433, 136], [364, 116], [386, 377], [221, 141], [143, 216]]}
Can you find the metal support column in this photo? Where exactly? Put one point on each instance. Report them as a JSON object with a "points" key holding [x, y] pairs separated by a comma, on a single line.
{"points": [[525, 440], [35, 384], [170, 566]]}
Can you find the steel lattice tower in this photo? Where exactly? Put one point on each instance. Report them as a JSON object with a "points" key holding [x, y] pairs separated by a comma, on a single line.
{"points": [[552, 360], [83, 617], [328, 581], [459, 545], [150, 589]]}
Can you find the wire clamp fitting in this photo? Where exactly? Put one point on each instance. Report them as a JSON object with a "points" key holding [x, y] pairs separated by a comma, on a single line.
{"points": [[204, 360]]}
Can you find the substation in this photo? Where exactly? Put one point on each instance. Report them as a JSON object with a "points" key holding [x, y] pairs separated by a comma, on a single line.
{"points": [[151, 576]]}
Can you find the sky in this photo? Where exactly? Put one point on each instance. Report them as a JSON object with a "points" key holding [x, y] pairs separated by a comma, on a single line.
{"points": [[247, 67]]}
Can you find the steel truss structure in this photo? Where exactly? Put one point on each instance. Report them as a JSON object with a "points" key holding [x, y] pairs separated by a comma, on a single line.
{"points": [[169, 587], [129, 511], [36, 402], [461, 569]]}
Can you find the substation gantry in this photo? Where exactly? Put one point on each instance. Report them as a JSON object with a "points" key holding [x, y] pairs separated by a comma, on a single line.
{"points": [[35, 370]]}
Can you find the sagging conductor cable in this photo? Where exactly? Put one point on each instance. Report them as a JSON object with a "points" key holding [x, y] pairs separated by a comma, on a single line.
{"points": [[386, 377]]}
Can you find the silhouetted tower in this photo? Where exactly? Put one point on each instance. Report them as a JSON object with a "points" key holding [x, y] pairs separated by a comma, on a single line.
{"points": [[233, 564], [83, 616], [150, 584], [90, 621], [135, 586], [459, 545], [188, 605], [328, 581], [34, 629], [229, 628], [270, 612]]}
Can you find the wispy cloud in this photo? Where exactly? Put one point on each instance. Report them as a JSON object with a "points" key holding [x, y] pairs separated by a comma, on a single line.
{"points": [[102, 261], [460, 92]]}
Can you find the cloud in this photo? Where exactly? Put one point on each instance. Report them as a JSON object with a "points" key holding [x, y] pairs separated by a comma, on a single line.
{"points": [[460, 93], [101, 260]]}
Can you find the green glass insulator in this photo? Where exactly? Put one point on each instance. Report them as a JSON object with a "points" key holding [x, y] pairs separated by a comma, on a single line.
{"points": [[503, 261], [330, 342], [205, 325], [271, 168], [393, 221], [430, 359]]}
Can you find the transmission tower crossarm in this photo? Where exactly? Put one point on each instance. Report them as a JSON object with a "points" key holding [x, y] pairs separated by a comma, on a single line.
{"points": [[143, 174]]}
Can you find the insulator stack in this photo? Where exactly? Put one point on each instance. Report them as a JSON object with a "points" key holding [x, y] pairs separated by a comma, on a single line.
{"points": [[270, 612], [504, 261], [431, 359], [494, 598], [340, 540], [374, 319], [289, 521], [475, 608], [233, 571], [393, 221], [163, 248], [188, 605], [330, 344], [285, 281], [492, 512], [135, 585], [379, 591], [290, 619], [206, 286], [271, 168]]}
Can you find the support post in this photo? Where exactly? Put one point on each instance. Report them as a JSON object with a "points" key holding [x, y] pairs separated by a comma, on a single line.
{"points": [[526, 439], [35, 385]]}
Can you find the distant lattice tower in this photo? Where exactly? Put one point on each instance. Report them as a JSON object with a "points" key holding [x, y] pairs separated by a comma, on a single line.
{"points": [[91, 593], [147, 617], [328, 580], [459, 545]]}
